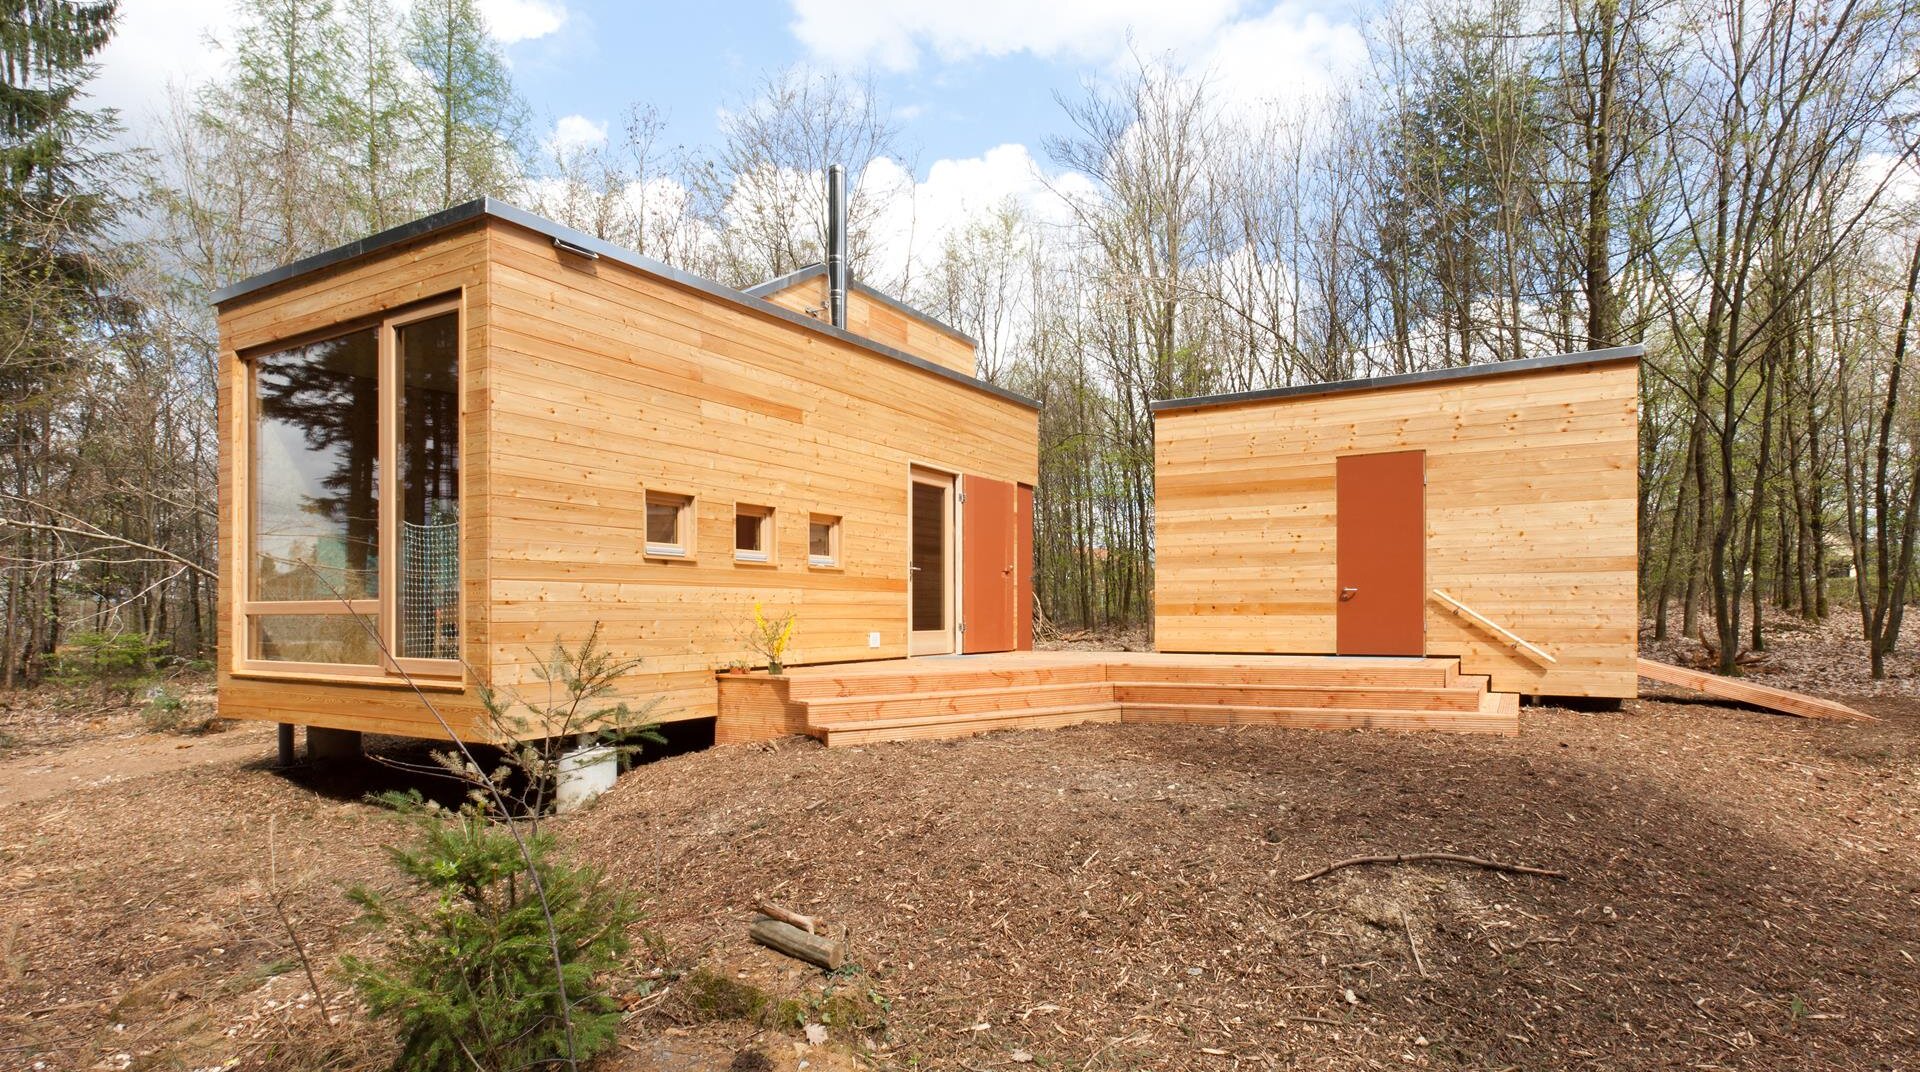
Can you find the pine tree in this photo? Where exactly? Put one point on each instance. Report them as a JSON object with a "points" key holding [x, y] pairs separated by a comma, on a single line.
{"points": [[55, 197], [477, 121], [56, 206], [379, 117], [270, 118]]}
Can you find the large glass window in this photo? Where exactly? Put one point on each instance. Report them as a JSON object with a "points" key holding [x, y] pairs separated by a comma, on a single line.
{"points": [[354, 536], [429, 354], [316, 471]]}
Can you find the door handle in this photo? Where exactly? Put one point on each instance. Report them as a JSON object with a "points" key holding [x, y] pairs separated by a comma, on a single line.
{"points": [[1348, 593]]}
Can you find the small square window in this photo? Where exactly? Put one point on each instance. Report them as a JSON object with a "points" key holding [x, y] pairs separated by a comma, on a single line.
{"points": [[669, 524], [823, 541], [753, 533]]}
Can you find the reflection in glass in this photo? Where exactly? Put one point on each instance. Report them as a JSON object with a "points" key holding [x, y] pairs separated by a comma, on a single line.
{"points": [[315, 638], [929, 556], [429, 355], [820, 540], [663, 520], [316, 480]]}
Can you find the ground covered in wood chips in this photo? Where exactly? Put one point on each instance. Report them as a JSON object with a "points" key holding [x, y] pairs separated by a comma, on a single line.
{"points": [[1743, 892]]}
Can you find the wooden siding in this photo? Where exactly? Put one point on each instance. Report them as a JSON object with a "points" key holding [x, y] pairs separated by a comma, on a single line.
{"points": [[449, 263], [609, 382], [875, 320], [1530, 513]]}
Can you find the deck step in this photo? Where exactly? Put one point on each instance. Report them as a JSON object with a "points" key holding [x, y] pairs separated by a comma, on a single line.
{"points": [[1323, 718], [821, 684], [973, 701], [937, 727], [1432, 673], [1385, 697]]}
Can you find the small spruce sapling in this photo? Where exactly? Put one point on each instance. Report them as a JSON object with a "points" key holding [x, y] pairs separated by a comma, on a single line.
{"points": [[469, 974]]}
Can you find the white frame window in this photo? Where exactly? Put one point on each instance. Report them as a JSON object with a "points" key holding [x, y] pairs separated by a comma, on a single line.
{"points": [[757, 520], [682, 545], [831, 559]]}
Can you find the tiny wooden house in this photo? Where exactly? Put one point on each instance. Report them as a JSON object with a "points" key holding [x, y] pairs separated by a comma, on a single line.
{"points": [[1487, 512], [448, 446]]}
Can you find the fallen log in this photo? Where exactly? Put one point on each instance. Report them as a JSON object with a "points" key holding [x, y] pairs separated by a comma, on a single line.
{"points": [[789, 916], [828, 953], [1430, 857], [1749, 692]]}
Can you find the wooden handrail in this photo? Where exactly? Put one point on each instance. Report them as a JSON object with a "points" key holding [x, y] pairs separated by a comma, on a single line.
{"points": [[1531, 651]]}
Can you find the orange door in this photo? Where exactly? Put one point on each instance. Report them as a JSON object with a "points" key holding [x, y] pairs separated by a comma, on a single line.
{"points": [[989, 581], [1381, 550]]}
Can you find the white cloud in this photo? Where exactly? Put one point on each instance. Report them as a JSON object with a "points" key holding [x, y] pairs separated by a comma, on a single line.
{"points": [[575, 132], [955, 193], [893, 33], [1288, 54], [156, 44], [513, 21]]}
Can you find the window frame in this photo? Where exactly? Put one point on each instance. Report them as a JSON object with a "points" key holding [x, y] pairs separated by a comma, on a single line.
{"points": [[833, 559], [766, 555], [387, 668], [669, 552]]}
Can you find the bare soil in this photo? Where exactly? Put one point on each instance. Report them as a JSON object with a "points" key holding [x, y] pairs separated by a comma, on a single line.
{"points": [[1744, 893]]}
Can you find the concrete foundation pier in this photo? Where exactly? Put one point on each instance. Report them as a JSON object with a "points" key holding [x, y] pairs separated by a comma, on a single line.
{"points": [[329, 746]]}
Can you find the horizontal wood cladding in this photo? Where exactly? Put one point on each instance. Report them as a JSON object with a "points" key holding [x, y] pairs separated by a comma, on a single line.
{"points": [[876, 320], [451, 262], [609, 383], [1530, 513]]}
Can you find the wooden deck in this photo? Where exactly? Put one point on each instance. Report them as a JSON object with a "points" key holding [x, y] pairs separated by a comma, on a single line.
{"points": [[958, 696]]}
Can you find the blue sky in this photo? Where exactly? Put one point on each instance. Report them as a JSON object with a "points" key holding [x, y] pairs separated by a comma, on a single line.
{"points": [[971, 83], [610, 54], [962, 77]]}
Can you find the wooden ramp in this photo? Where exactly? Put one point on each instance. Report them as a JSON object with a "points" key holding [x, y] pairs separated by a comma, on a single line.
{"points": [[1748, 692], [958, 696]]}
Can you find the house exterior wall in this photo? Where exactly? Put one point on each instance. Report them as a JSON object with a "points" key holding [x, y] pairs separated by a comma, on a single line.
{"points": [[608, 382], [882, 323], [585, 385], [1531, 505], [452, 262]]}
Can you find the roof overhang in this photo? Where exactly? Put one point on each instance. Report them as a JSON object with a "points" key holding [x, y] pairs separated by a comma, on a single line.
{"points": [[578, 241], [1409, 379]]}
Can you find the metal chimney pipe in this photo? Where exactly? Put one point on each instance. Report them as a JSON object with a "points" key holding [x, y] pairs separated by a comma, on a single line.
{"points": [[837, 245]]}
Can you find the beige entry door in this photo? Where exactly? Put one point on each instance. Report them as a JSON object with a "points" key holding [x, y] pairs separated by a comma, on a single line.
{"points": [[930, 610]]}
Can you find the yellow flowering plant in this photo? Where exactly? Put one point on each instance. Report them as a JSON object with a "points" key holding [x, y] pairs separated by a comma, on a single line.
{"points": [[770, 636]]}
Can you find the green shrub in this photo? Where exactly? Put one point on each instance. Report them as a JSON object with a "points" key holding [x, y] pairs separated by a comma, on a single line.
{"points": [[121, 660], [469, 977]]}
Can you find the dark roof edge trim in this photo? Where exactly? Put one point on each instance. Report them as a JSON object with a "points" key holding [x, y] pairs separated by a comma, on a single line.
{"points": [[500, 210], [1408, 379], [425, 225], [801, 275]]}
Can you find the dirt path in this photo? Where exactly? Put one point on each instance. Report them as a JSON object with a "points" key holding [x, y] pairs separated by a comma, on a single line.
{"points": [[122, 755]]}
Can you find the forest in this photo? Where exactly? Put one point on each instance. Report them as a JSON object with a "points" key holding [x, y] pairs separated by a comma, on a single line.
{"points": [[1732, 185]]}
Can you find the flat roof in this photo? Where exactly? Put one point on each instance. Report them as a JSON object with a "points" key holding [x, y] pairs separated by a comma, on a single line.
{"points": [[1408, 379], [581, 242], [800, 275]]}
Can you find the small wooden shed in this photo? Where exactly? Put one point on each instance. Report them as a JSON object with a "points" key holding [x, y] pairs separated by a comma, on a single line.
{"points": [[449, 445], [1486, 512]]}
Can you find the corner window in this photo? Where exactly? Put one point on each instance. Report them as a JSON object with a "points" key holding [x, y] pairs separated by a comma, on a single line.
{"points": [[352, 559], [753, 533], [823, 541], [669, 524]]}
